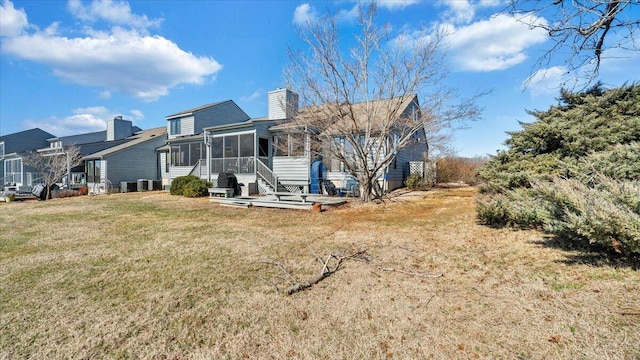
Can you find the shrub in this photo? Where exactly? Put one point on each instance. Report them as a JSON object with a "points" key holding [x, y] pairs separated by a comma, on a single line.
{"points": [[196, 188], [414, 181], [574, 172], [513, 208], [178, 184], [607, 215], [458, 169], [64, 193]]}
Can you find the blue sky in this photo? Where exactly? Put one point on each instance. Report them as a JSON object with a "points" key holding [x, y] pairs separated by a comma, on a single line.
{"points": [[68, 66]]}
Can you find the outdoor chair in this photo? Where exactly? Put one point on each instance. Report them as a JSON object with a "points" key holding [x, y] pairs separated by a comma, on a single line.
{"points": [[350, 187]]}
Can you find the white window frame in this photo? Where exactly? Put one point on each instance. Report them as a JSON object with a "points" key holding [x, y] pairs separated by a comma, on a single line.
{"points": [[13, 171]]}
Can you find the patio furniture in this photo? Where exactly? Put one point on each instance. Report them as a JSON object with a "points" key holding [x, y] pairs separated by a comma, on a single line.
{"points": [[278, 195], [227, 192], [349, 187]]}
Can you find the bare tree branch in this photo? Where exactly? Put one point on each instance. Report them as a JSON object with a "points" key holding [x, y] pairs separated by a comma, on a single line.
{"points": [[332, 264], [585, 29], [356, 100], [53, 165]]}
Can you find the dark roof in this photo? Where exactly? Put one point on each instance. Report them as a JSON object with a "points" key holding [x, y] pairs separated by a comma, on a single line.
{"points": [[79, 139], [239, 125], [195, 109], [87, 138], [137, 138], [185, 138], [30, 132], [376, 113], [26, 140]]}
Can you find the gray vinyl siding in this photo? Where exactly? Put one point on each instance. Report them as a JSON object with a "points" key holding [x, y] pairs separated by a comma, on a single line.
{"points": [[398, 169], [219, 114], [136, 162], [225, 113]]}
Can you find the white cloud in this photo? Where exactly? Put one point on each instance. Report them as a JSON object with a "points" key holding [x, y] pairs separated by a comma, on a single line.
{"points": [[70, 125], [12, 21], [494, 44], [115, 60], [136, 114], [348, 16], [304, 14], [93, 110], [114, 12], [82, 120], [459, 11], [547, 82], [254, 96], [395, 4]]}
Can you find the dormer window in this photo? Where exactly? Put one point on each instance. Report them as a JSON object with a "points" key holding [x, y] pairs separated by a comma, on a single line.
{"points": [[174, 127]]}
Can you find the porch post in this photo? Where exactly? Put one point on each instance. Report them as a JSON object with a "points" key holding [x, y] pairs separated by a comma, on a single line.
{"points": [[68, 171], [207, 142]]}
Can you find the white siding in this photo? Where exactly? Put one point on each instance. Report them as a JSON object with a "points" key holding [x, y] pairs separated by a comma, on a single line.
{"points": [[176, 171], [103, 170], [187, 126], [282, 104], [163, 165], [291, 168]]}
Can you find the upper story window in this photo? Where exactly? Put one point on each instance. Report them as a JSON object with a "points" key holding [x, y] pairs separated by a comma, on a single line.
{"points": [[55, 144], [1, 148], [174, 127]]}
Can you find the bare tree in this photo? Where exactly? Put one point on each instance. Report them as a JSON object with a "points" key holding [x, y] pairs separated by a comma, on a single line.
{"points": [[53, 165], [584, 29], [355, 99]]}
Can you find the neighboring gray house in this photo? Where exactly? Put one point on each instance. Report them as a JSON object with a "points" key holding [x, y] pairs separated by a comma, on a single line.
{"points": [[133, 159], [185, 151], [122, 152], [12, 149]]}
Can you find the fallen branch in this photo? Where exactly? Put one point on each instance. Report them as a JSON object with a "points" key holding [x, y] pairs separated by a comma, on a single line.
{"points": [[431, 276], [330, 265]]}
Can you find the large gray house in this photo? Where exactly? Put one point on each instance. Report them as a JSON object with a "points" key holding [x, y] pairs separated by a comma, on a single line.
{"points": [[267, 154], [185, 151], [121, 153]]}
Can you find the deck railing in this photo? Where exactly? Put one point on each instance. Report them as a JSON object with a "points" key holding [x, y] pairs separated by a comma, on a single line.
{"points": [[12, 178], [198, 169], [34, 178], [266, 173], [238, 165]]}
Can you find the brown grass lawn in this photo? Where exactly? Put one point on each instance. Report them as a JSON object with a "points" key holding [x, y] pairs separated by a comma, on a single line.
{"points": [[150, 275]]}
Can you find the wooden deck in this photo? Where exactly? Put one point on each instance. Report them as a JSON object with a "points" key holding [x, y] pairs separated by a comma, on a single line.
{"points": [[282, 201]]}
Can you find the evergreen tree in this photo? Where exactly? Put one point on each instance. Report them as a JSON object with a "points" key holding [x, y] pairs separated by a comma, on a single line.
{"points": [[573, 172]]}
